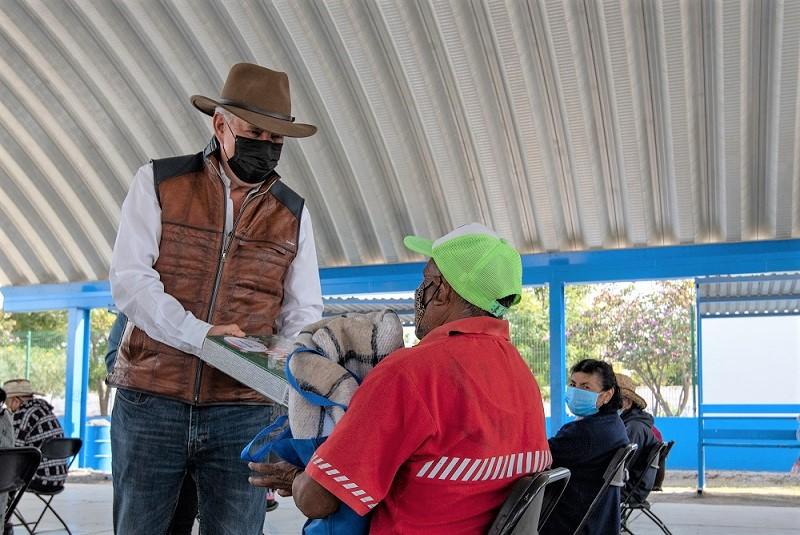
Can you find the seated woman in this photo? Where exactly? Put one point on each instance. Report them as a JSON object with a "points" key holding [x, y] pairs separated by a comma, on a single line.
{"points": [[639, 425], [585, 447]]}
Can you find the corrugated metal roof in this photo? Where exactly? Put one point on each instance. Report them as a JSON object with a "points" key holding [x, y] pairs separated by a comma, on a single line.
{"points": [[749, 295], [564, 125], [337, 305]]}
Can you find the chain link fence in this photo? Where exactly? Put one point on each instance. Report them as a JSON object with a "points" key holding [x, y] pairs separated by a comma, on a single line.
{"points": [[38, 356]]}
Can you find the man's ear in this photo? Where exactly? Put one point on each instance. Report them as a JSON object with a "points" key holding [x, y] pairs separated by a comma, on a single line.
{"points": [[218, 123], [445, 294]]}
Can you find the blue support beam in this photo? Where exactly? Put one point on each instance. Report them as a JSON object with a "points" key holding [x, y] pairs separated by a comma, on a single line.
{"points": [[385, 278], [41, 297], [650, 263], [653, 263], [558, 355], [701, 454], [77, 387]]}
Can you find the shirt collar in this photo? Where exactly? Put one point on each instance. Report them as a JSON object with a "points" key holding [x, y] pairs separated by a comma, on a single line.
{"points": [[475, 325]]}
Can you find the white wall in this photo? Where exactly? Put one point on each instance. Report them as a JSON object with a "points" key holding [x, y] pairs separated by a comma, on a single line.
{"points": [[751, 360]]}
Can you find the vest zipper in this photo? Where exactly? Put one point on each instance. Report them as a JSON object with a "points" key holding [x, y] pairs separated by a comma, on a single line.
{"points": [[227, 240]]}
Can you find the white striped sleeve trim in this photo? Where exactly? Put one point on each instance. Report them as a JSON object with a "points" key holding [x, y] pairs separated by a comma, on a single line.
{"points": [[344, 481], [498, 467]]}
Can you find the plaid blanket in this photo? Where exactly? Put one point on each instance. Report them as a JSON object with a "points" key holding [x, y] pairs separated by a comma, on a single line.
{"points": [[352, 345]]}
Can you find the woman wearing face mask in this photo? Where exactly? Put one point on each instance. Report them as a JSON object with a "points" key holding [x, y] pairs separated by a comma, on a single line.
{"points": [[585, 447]]}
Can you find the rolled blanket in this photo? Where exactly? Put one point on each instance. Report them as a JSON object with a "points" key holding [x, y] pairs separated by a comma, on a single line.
{"points": [[352, 345]]}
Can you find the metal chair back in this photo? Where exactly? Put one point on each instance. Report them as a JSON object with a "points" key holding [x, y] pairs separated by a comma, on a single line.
{"points": [[17, 468], [521, 513], [614, 474]]}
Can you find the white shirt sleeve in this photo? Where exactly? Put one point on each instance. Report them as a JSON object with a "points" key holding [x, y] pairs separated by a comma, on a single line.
{"points": [[302, 294], [135, 286]]}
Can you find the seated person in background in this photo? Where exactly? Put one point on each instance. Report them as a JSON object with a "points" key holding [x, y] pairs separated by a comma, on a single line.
{"points": [[585, 447], [6, 441], [35, 424], [436, 436], [639, 425]]}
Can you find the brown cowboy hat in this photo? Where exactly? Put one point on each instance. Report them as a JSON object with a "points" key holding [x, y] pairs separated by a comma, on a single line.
{"points": [[628, 390], [259, 96]]}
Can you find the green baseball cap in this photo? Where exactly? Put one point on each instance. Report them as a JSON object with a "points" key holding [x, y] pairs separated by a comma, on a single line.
{"points": [[479, 265]]}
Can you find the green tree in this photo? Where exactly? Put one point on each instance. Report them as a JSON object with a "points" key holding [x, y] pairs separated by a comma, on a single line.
{"points": [[102, 320], [34, 345], [650, 334], [530, 329], [48, 346]]}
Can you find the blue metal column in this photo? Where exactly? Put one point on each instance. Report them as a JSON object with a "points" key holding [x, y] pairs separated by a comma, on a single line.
{"points": [[77, 387], [558, 355], [701, 456]]}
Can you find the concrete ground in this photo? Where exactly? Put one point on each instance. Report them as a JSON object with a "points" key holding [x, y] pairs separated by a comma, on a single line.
{"points": [[86, 506]]}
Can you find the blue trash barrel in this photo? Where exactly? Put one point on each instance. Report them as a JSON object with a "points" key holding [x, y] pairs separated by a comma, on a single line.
{"points": [[98, 444]]}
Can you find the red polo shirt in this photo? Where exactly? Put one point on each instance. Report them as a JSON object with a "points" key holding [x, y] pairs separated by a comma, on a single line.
{"points": [[437, 434]]}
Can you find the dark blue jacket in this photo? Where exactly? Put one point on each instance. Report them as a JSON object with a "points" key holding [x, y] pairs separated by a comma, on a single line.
{"points": [[586, 447], [639, 425]]}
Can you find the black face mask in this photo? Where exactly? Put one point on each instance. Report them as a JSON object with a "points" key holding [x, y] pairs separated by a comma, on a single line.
{"points": [[419, 304], [253, 159]]}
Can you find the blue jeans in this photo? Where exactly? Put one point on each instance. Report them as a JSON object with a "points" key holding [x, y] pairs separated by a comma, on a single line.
{"points": [[156, 441]]}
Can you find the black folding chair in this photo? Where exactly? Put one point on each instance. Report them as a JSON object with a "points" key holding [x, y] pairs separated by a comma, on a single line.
{"points": [[53, 450], [530, 503], [17, 467], [630, 503], [662, 468], [614, 475]]}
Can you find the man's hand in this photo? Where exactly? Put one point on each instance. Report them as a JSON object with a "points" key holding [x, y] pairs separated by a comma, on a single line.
{"points": [[278, 476], [231, 329]]}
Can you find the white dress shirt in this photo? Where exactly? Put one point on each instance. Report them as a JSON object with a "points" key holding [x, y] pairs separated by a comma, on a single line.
{"points": [[138, 292]]}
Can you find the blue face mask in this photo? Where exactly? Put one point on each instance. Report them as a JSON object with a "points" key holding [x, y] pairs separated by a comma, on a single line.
{"points": [[581, 402]]}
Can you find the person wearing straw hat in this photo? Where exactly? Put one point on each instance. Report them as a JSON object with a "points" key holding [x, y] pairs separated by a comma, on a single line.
{"points": [[639, 425], [435, 437], [212, 243], [34, 424]]}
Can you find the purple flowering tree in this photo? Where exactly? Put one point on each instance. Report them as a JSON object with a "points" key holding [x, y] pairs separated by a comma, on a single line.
{"points": [[649, 333]]}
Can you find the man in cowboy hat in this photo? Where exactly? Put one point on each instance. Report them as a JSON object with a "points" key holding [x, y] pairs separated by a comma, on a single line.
{"points": [[639, 425], [436, 436], [212, 243], [34, 424]]}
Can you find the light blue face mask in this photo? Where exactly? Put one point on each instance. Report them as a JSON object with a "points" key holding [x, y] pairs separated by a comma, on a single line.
{"points": [[581, 402]]}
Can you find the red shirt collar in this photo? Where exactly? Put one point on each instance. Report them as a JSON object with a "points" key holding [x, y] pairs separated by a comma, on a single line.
{"points": [[476, 325]]}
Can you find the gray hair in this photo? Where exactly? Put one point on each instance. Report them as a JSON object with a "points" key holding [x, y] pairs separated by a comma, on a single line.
{"points": [[228, 116]]}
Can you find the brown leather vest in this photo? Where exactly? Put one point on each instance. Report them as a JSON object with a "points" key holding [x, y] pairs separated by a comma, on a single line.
{"points": [[239, 282]]}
